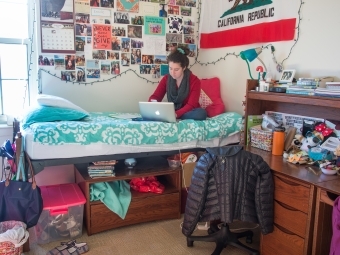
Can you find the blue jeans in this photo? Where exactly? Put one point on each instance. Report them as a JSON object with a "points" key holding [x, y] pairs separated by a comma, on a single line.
{"points": [[195, 114]]}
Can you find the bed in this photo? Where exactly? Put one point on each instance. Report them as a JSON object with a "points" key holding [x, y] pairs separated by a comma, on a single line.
{"points": [[110, 135]]}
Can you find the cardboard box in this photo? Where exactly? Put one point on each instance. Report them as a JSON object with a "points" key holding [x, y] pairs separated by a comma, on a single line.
{"points": [[188, 169]]}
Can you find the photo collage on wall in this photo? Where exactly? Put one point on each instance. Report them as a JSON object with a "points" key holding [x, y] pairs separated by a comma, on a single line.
{"points": [[87, 40]]}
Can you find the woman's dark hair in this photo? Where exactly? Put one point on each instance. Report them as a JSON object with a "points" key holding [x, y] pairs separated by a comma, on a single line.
{"points": [[179, 55]]}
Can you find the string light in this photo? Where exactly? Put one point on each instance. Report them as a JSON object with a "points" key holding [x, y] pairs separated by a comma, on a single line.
{"points": [[196, 61]]}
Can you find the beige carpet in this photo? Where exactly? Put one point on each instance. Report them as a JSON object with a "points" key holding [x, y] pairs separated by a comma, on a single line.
{"points": [[158, 238]]}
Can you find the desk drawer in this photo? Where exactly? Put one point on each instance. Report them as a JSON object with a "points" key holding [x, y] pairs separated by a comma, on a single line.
{"points": [[282, 242], [292, 193], [292, 219], [150, 208]]}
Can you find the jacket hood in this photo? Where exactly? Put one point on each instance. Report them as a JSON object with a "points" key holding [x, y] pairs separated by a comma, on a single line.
{"points": [[228, 151]]}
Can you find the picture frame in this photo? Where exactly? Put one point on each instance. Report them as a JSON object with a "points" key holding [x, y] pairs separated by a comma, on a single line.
{"points": [[287, 76]]}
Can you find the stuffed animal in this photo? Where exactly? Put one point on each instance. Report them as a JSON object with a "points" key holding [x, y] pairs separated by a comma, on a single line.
{"points": [[312, 139], [337, 153]]}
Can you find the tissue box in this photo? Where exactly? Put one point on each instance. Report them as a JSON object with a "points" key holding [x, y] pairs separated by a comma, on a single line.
{"points": [[62, 215]]}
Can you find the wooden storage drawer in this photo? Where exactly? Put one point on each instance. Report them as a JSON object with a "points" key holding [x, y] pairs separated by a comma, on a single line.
{"points": [[282, 242], [292, 219], [141, 209], [292, 193]]}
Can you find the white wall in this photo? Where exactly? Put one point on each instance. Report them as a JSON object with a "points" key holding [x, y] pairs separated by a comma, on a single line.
{"points": [[315, 54]]}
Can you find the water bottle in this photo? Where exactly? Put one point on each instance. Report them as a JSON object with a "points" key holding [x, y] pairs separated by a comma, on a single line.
{"points": [[278, 141]]}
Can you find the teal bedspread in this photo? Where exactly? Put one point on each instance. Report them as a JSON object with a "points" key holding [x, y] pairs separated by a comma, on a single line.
{"points": [[99, 127]]}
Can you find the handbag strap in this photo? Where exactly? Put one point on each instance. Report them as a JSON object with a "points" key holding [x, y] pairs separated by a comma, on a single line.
{"points": [[20, 166]]}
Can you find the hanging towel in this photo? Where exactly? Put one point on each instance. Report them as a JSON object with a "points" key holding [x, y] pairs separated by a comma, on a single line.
{"points": [[335, 244], [115, 195]]}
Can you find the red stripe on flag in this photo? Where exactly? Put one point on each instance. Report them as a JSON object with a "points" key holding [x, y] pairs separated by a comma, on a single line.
{"points": [[281, 30]]}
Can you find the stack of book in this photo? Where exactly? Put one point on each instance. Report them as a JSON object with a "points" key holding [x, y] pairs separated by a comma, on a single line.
{"points": [[100, 169], [304, 86]]}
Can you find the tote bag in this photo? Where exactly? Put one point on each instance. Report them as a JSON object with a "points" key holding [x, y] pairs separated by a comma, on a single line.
{"points": [[20, 200]]}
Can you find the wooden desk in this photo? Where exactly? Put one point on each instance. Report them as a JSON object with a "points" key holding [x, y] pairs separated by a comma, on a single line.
{"points": [[302, 208], [327, 192]]}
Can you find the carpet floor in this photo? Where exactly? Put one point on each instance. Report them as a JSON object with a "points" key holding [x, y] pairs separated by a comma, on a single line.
{"points": [[158, 238]]}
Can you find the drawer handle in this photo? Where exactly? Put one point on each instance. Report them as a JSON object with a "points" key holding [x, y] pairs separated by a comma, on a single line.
{"points": [[286, 206], [288, 182], [284, 230]]}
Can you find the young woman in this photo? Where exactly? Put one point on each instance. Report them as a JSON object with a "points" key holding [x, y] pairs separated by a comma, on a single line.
{"points": [[182, 87]]}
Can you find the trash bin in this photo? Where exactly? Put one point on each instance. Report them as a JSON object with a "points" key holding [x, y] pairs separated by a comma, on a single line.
{"points": [[14, 247]]}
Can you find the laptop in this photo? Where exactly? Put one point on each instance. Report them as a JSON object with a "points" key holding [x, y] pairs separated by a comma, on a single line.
{"points": [[157, 111]]}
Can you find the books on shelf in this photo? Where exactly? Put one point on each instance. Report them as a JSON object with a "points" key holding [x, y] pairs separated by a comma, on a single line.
{"points": [[300, 91], [96, 170]]}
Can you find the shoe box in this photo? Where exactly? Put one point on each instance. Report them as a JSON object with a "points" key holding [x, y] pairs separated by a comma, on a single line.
{"points": [[62, 215]]}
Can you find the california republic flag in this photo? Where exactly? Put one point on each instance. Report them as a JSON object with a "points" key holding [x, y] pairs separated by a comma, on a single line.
{"points": [[227, 23]]}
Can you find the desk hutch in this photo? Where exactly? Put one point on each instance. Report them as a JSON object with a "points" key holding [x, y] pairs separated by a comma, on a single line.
{"points": [[302, 200]]}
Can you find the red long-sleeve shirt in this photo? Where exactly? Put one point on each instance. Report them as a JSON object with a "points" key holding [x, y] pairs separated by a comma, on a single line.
{"points": [[189, 103]]}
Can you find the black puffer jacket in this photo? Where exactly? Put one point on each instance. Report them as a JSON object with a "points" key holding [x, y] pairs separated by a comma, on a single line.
{"points": [[229, 183]]}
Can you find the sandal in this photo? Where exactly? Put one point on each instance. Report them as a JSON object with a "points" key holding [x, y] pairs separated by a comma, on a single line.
{"points": [[68, 248]]}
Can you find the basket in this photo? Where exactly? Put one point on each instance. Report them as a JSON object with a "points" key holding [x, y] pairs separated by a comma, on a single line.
{"points": [[261, 139], [8, 248]]}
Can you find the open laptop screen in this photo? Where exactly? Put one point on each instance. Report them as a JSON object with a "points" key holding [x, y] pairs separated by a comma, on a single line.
{"points": [[157, 111]]}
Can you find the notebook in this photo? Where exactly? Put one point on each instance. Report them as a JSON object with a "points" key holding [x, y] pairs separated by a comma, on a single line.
{"points": [[157, 111]]}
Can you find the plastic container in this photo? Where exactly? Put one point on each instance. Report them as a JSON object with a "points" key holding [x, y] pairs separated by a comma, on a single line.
{"points": [[278, 141], [174, 162], [62, 215]]}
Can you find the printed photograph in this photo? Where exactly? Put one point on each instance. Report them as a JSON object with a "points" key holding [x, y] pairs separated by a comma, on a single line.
{"points": [[121, 17], [107, 3], [148, 59], [92, 64], [98, 54], [115, 67], [163, 10], [188, 30], [145, 69], [80, 59], [125, 59], [134, 31], [160, 59], [188, 22], [115, 43], [192, 48], [128, 5], [112, 55], [60, 11], [93, 73], [189, 39], [173, 38], [136, 43], [170, 46], [164, 70], [191, 3], [82, 18], [84, 29], [80, 43], [80, 74], [119, 31], [45, 60], [125, 44], [59, 62], [156, 71], [105, 67], [173, 10], [68, 75], [186, 11], [137, 20], [180, 2], [70, 62], [89, 40]]}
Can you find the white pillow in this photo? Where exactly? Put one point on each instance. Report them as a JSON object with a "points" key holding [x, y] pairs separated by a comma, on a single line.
{"points": [[48, 100]]}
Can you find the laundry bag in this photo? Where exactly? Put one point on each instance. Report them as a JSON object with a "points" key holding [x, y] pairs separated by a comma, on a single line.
{"points": [[8, 247]]}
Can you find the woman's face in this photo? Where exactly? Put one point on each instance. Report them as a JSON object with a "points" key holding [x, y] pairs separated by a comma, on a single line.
{"points": [[175, 70]]}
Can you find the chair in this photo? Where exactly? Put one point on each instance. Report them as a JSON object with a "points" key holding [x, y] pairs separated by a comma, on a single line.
{"points": [[229, 183], [223, 237]]}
